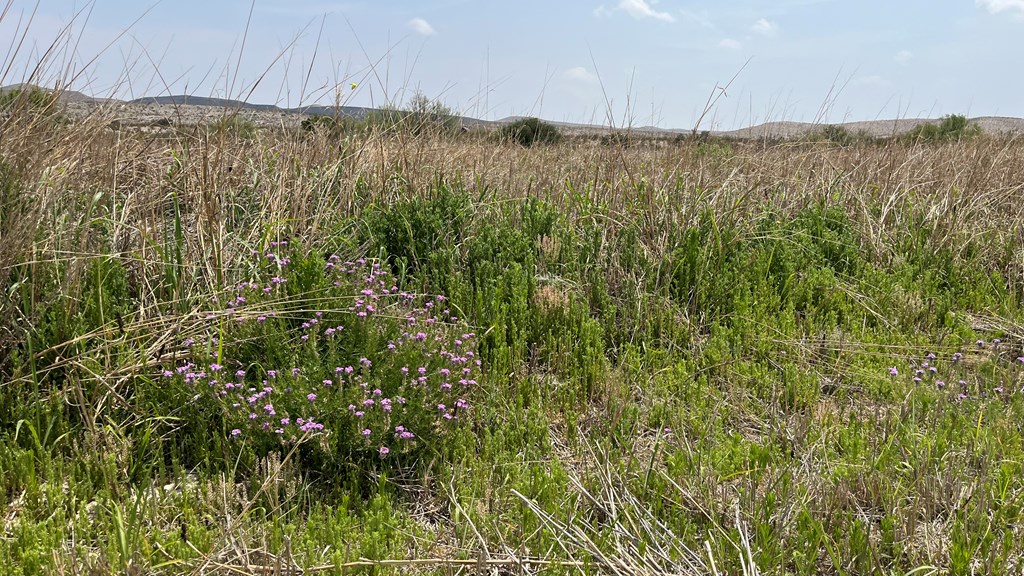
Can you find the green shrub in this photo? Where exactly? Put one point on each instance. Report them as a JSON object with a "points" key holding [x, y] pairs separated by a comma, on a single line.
{"points": [[236, 126], [317, 123], [530, 131], [715, 149], [422, 236], [337, 126], [837, 135], [324, 349], [951, 128], [431, 115], [33, 104], [704, 144], [702, 137], [420, 116], [31, 98]]}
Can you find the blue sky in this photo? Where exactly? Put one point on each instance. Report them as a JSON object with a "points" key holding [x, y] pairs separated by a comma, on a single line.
{"points": [[638, 62]]}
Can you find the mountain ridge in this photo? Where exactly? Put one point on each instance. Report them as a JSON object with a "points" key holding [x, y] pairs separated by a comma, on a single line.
{"points": [[770, 129]]}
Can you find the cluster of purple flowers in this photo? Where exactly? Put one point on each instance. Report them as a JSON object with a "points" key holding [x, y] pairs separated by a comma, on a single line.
{"points": [[993, 372], [446, 368], [388, 366], [246, 405]]}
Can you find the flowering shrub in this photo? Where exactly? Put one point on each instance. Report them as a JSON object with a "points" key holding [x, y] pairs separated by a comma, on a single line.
{"points": [[347, 356], [988, 370]]}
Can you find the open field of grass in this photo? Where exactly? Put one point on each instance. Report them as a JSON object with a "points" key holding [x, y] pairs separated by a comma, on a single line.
{"points": [[228, 352]]}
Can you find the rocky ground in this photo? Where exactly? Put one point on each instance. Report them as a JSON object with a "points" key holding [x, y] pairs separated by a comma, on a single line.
{"points": [[160, 115]]}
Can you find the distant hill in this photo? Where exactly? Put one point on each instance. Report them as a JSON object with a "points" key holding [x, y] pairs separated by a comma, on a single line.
{"points": [[188, 100], [63, 96], [874, 128], [782, 129], [357, 112]]}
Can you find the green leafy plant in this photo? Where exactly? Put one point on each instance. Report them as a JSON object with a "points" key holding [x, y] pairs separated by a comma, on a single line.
{"points": [[236, 126], [951, 128], [837, 135], [332, 125], [378, 372], [419, 116], [31, 98], [529, 132]]}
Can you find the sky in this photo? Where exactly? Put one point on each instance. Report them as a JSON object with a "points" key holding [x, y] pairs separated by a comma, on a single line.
{"points": [[667, 63]]}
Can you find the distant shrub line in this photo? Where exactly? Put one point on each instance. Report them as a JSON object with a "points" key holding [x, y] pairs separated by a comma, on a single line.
{"points": [[951, 128]]}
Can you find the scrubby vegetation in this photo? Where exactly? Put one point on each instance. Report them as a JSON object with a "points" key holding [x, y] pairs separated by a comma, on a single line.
{"points": [[419, 117], [842, 136], [238, 355], [953, 127], [33, 98], [529, 132], [234, 126], [333, 125], [31, 104]]}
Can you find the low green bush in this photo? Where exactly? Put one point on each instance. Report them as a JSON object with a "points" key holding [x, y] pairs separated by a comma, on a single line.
{"points": [[951, 128], [32, 98], [326, 352], [236, 126], [529, 132], [420, 116]]}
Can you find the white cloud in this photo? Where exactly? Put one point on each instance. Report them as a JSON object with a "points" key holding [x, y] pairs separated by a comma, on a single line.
{"points": [[730, 44], [765, 27], [702, 18], [580, 74], [997, 6], [642, 9], [421, 26], [903, 57], [638, 9]]}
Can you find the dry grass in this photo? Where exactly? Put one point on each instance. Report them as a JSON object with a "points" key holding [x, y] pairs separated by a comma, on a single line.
{"points": [[964, 190]]}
